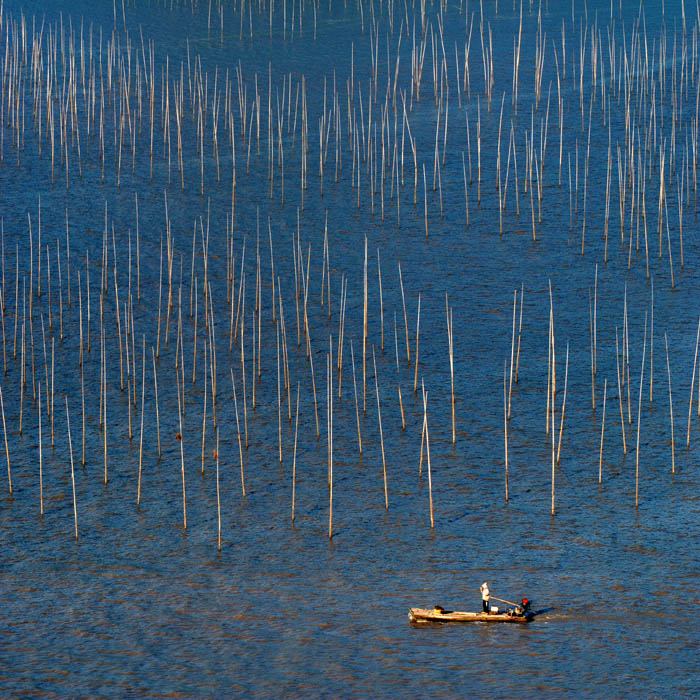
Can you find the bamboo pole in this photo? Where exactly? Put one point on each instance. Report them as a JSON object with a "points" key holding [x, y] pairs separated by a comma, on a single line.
{"points": [[7, 448], [692, 385], [41, 469], [619, 392], [563, 407], [329, 384], [204, 406], [218, 496], [294, 459], [104, 401], [405, 317], [602, 434], [398, 376], [553, 457], [279, 398], [512, 353], [520, 328], [670, 409], [639, 417], [452, 369], [415, 380], [381, 434], [238, 429], [427, 443], [72, 472], [155, 386], [505, 428], [364, 336], [182, 458], [143, 396], [357, 405]]}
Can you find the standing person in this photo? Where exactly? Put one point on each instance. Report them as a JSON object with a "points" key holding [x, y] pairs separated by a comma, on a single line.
{"points": [[485, 595]]}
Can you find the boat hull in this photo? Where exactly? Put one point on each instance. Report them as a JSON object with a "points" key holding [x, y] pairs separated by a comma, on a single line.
{"points": [[430, 615]]}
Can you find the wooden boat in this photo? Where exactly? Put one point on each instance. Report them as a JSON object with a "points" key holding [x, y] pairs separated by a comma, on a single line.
{"points": [[438, 615]]}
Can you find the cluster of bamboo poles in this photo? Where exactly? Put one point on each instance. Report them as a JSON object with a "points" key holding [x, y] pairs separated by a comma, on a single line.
{"points": [[105, 330], [110, 103], [91, 100], [176, 329], [624, 382]]}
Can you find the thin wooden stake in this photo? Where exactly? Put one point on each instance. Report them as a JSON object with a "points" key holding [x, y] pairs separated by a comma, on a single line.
{"points": [[639, 416], [294, 459], [381, 434], [7, 448], [238, 428], [602, 434], [670, 409], [41, 470], [692, 385], [427, 443], [505, 427], [72, 472], [143, 396], [218, 496]]}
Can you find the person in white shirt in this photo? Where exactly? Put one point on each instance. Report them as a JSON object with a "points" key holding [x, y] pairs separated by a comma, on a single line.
{"points": [[485, 595]]}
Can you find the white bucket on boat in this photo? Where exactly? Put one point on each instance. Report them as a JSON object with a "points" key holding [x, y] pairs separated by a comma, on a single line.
{"points": [[494, 609]]}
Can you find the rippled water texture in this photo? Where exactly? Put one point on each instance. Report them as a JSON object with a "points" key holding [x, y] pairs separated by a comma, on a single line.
{"points": [[124, 255]]}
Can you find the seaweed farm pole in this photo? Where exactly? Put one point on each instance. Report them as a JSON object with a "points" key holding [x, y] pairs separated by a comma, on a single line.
{"points": [[182, 457], [590, 322], [52, 401], [7, 449], [549, 373], [619, 391], [553, 388], [381, 300], [505, 426], [294, 459], [41, 475], [329, 384], [670, 407], [82, 393], [155, 386], [279, 397], [22, 382], [357, 405], [520, 329], [143, 394], [313, 386], [692, 385], [466, 197], [104, 400], [639, 416], [405, 317], [563, 407], [364, 336], [422, 441], [415, 380], [452, 366], [427, 443], [512, 353], [72, 471], [218, 496], [381, 434], [238, 428], [553, 455], [651, 347], [602, 434], [425, 203], [204, 404]]}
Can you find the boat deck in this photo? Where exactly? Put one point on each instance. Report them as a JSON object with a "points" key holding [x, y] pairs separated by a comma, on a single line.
{"points": [[431, 615]]}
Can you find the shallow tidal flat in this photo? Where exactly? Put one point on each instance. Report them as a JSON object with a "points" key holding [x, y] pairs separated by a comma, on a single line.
{"points": [[312, 313]]}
